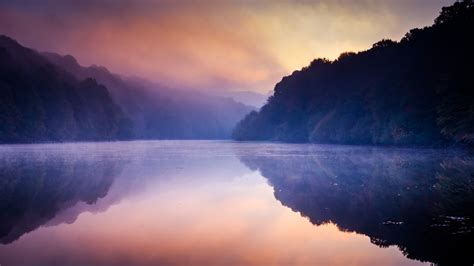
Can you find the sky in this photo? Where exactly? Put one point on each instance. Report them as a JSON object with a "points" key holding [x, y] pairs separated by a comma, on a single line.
{"points": [[226, 45]]}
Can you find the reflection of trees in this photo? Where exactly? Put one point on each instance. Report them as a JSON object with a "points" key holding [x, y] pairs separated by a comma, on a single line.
{"points": [[421, 201], [34, 190]]}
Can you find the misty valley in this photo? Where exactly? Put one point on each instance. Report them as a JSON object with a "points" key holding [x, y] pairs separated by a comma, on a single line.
{"points": [[236, 132], [416, 91]]}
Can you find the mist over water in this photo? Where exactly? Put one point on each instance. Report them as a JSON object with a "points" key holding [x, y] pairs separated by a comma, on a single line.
{"points": [[224, 203]]}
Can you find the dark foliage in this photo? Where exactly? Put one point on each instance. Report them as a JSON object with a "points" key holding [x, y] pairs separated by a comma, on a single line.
{"points": [[418, 91], [41, 102]]}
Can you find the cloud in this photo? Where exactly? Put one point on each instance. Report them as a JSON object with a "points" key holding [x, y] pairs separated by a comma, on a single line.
{"points": [[229, 45]]}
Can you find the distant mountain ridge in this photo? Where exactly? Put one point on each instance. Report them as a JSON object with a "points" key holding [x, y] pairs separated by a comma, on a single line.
{"points": [[246, 97], [41, 102], [158, 112], [417, 91]]}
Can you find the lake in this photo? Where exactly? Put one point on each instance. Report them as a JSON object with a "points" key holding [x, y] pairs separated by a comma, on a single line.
{"points": [[230, 203]]}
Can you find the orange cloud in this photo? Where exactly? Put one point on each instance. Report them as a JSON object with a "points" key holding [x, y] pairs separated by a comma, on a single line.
{"points": [[234, 45]]}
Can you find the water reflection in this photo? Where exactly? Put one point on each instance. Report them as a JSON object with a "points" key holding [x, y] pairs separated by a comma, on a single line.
{"points": [[419, 200], [35, 188], [205, 203]]}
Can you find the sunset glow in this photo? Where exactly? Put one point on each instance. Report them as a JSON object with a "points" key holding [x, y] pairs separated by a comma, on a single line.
{"points": [[210, 45], [236, 132]]}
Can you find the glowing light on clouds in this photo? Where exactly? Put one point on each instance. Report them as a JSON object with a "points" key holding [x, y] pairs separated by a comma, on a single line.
{"points": [[228, 45]]}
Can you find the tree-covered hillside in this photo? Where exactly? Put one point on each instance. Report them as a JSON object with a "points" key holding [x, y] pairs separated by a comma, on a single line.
{"points": [[48, 97], [419, 91], [158, 112], [41, 102]]}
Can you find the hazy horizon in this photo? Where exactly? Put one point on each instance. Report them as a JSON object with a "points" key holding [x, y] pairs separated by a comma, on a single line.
{"points": [[236, 132], [210, 45]]}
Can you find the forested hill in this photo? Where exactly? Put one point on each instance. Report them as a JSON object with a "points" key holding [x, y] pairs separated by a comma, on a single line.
{"points": [[41, 102], [158, 112], [47, 97], [419, 90]]}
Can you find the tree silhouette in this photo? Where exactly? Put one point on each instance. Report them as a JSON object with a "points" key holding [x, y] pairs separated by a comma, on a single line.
{"points": [[415, 91]]}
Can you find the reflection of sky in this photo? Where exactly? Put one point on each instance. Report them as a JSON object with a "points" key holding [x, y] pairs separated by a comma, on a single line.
{"points": [[193, 205], [210, 44]]}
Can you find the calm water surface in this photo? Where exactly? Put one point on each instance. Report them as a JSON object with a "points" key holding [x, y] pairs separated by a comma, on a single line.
{"points": [[227, 203]]}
